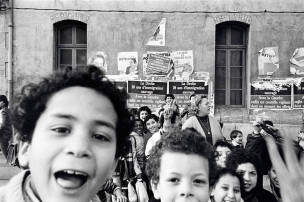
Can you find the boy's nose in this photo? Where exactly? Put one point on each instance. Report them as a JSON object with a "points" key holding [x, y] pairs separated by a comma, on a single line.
{"points": [[186, 190], [78, 147]]}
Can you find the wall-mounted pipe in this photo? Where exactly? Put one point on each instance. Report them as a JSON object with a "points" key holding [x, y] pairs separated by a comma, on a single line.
{"points": [[10, 52]]}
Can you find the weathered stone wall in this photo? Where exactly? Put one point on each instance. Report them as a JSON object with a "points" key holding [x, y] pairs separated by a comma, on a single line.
{"points": [[123, 26]]}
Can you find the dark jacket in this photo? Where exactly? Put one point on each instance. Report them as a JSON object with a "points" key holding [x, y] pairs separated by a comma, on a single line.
{"points": [[257, 144], [260, 195]]}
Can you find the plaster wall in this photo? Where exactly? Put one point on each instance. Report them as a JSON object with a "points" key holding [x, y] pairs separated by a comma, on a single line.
{"points": [[124, 26]]}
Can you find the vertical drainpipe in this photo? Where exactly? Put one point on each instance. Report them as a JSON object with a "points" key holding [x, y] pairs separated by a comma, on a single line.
{"points": [[10, 53]]}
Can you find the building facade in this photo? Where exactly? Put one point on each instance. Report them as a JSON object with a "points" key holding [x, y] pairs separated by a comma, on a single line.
{"points": [[226, 38]]}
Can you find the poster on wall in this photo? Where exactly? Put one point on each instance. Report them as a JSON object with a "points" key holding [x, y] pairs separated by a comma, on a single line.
{"points": [[183, 89], [149, 71], [146, 93], [127, 63], [267, 96], [158, 37], [183, 64], [268, 60], [298, 94], [297, 62], [99, 60]]}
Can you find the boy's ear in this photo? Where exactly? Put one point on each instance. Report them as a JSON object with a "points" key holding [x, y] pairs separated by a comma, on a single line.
{"points": [[23, 154], [155, 189]]}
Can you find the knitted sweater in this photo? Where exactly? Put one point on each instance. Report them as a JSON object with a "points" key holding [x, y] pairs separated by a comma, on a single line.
{"points": [[216, 129], [12, 192]]}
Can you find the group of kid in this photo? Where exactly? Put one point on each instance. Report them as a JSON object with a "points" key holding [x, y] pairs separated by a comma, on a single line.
{"points": [[74, 126]]}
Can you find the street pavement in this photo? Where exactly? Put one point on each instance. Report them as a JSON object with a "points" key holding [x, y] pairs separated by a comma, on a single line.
{"points": [[6, 171]]}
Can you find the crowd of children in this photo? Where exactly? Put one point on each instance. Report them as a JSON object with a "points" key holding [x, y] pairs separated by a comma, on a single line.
{"points": [[70, 146]]}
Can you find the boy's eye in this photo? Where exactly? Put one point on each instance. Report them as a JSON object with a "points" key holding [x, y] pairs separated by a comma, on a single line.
{"points": [[175, 180], [61, 130], [100, 137], [237, 190], [199, 181]]}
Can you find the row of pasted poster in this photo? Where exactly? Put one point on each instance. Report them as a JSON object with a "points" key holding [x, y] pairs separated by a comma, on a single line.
{"points": [[268, 61], [176, 64], [179, 64], [277, 95]]}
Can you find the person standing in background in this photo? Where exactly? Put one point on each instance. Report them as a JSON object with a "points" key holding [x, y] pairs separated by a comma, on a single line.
{"points": [[6, 132], [205, 124]]}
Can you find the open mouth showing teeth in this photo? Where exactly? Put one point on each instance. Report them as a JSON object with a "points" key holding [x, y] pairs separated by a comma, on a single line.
{"points": [[70, 179]]}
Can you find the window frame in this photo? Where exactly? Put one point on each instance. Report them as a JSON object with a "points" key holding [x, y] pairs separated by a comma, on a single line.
{"points": [[228, 47], [73, 46]]}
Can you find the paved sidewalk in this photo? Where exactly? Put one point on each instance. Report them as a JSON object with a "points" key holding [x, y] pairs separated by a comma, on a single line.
{"points": [[6, 171]]}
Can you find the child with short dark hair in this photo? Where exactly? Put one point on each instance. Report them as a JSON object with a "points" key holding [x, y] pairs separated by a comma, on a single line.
{"points": [[222, 150], [70, 125], [236, 137], [179, 167]]}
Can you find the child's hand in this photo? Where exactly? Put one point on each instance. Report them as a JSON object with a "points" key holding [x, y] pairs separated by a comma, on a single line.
{"points": [[256, 126], [290, 174], [119, 196]]}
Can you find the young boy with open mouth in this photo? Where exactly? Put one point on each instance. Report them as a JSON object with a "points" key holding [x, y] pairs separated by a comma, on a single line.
{"points": [[72, 126]]}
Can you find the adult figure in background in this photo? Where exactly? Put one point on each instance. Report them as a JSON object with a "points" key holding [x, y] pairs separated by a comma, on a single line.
{"points": [[6, 132], [249, 166], [205, 124], [191, 109]]}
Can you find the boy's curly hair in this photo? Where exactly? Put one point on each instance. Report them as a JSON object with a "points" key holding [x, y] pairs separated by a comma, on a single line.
{"points": [[187, 141], [31, 102]]}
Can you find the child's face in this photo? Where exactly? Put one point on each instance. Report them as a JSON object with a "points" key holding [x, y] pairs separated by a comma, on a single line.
{"points": [[169, 100], [143, 115], [152, 125], [273, 177], [228, 188], [239, 138], [182, 177], [73, 147], [138, 127], [249, 174], [222, 155]]}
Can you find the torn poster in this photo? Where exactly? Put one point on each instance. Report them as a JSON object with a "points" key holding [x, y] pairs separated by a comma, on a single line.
{"points": [[127, 63], [297, 62], [99, 61], [268, 60], [158, 38], [183, 64]]}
